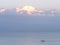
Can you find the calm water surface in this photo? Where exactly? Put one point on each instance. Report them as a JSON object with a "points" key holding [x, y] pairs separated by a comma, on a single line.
{"points": [[29, 38]]}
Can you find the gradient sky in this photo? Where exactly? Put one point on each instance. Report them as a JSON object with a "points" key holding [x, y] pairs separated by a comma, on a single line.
{"points": [[37, 3]]}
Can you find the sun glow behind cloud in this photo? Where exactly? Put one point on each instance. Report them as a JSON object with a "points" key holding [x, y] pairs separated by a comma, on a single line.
{"points": [[31, 10], [28, 9]]}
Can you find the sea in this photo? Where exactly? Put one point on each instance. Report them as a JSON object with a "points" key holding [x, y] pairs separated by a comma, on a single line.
{"points": [[29, 30], [29, 38]]}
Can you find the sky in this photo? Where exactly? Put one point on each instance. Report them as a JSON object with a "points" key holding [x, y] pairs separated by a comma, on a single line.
{"points": [[44, 4]]}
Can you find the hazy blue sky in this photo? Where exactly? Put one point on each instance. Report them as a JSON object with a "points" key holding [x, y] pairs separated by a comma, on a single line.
{"points": [[37, 3]]}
